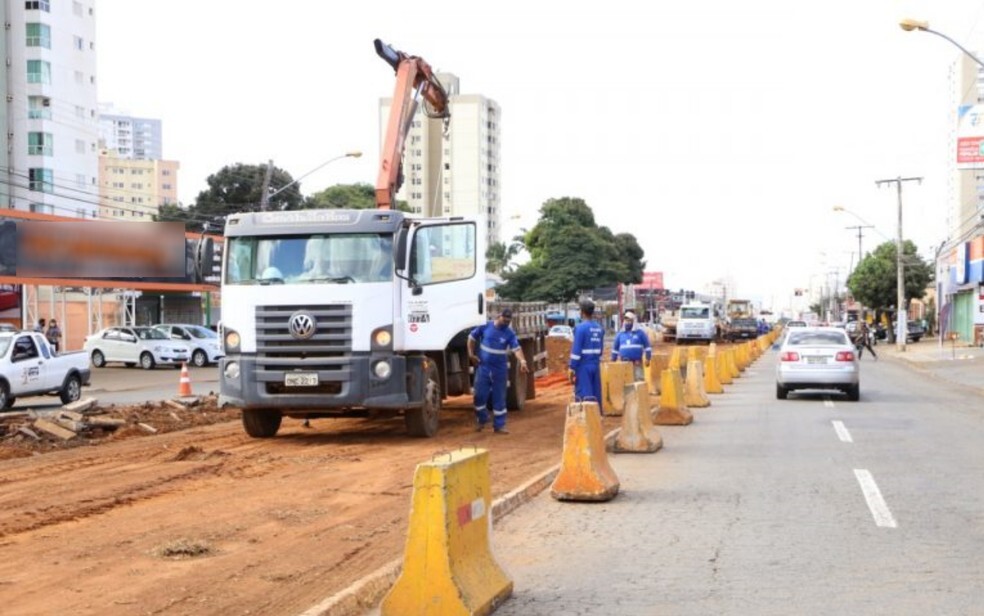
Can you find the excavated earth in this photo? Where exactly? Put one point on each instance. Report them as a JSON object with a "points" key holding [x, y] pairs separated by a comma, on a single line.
{"points": [[179, 512]]}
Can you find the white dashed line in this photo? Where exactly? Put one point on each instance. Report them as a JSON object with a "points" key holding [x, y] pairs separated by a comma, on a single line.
{"points": [[827, 402], [842, 432], [879, 510]]}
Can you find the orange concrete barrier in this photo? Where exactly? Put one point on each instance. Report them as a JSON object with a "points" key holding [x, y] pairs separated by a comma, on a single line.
{"points": [[672, 409], [694, 395], [638, 434], [448, 567], [585, 474], [712, 384], [615, 375], [723, 370]]}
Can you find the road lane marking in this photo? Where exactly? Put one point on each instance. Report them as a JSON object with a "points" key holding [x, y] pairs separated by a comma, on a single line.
{"points": [[879, 510], [842, 432], [827, 402]]}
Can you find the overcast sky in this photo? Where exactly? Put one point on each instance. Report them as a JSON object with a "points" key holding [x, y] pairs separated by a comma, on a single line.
{"points": [[720, 133]]}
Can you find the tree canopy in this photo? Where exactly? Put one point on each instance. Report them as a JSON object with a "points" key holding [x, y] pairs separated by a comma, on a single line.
{"points": [[874, 281], [570, 253]]}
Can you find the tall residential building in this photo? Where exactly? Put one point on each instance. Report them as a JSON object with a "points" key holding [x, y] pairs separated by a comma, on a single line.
{"points": [[453, 173], [51, 113], [133, 189], [131, 137]]}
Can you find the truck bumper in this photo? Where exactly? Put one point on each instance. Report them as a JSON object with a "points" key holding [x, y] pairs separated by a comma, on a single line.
{"points": [[355, 386]]}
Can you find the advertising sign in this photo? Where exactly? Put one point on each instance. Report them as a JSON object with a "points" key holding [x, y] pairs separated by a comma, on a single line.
{"points": [[652, 280], [970, 136]]}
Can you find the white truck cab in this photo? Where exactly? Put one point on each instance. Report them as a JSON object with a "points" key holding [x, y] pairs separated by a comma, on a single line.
{"points": [[697, 321]]}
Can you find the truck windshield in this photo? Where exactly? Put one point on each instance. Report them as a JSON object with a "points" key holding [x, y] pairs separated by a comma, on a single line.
{"points": [[694, 313], [335, 258]]}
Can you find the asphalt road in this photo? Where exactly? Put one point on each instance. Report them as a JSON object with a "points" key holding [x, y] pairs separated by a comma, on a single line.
{"points": [[120, 385], [811, 505]]}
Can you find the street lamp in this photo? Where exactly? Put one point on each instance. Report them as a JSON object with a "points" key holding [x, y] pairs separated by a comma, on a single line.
{"points": [[352, 154], [923, 26]]}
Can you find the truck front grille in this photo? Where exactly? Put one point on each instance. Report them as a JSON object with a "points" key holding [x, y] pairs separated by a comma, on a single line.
{"points": [[328, 352]]}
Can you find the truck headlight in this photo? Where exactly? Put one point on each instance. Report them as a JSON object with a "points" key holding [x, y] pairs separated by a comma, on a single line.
{"points": [[382, 369], [232, 341], [382, 338], [232, 370]]}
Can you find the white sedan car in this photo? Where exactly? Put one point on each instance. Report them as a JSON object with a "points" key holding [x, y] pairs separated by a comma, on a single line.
{"points": [[203, 342], [135, 345], [817, 358]]}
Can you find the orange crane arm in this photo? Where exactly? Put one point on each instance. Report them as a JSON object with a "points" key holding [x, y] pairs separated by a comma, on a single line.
{"points": [[414, 78]]}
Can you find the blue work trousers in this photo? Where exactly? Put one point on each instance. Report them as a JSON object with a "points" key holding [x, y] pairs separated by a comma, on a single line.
{"points": [[491, 381], [587, 383]]}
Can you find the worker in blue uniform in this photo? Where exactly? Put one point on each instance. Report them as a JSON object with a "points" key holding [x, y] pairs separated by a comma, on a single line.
{"points": [[489, 346], [632, 345], [585, 369]]}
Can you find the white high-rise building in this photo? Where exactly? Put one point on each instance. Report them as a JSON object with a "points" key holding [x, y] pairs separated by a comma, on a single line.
{"points": [[130, 137], [453, 172], [51, 108]]}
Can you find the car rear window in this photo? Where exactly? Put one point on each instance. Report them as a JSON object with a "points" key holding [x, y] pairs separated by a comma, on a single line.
{"points": [[817, 338]]}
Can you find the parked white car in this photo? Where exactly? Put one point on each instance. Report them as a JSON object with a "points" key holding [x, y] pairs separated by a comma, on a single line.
{"points": [[135, 345], [30, 367], [203, 342]]}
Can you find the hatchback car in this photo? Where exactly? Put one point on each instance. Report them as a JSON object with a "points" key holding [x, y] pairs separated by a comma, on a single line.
{"points": [[203, 342], [818, 358], [561, 331], [135, 345]]}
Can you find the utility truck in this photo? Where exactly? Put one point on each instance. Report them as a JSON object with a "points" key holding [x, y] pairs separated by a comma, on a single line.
{"points": [[697, 322], [329, 313]]}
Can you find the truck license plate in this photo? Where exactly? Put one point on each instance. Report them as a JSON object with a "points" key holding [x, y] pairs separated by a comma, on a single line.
{"points": [[301, 379]]}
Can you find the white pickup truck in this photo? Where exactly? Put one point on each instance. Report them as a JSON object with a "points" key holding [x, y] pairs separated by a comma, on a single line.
{"points": [[30, 367]]}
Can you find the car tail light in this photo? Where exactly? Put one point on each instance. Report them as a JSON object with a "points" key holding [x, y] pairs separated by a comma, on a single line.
{"points": [[789, 356], [845, 356]]}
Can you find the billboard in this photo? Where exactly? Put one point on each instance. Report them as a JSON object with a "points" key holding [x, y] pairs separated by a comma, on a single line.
{"points": [[652, 280], [970, 136]]}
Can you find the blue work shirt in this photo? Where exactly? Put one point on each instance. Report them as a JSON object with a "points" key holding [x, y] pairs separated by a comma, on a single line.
{"points": [[494, 344], [589, 338], [630, 345]]}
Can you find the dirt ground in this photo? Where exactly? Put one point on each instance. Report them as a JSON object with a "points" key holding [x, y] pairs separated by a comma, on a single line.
{"points": [[205, 520]]}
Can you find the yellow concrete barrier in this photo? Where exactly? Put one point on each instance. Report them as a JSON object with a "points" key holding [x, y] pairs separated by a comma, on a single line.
{"points": [[729, 356], [659, 362], [585, 474], [712, 384], [638, 434], [615, 375], [723, 370], [672, 409], [741, 357], [694, 395], [448, 567], [676, 359]]}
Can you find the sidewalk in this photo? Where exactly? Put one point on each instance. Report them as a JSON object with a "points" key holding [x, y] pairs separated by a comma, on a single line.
{"points": [[956, 363]]}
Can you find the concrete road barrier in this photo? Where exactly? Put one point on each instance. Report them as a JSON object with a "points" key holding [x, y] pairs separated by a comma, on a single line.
{"points": [[585, 473], [673, 410], [694, 395], [638, 434]]}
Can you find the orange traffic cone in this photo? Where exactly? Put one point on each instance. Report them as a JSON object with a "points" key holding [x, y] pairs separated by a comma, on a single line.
{"points": [[184, 387]]}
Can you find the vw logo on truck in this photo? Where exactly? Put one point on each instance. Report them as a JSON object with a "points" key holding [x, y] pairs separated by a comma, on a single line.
{"points": [[302, 325]]}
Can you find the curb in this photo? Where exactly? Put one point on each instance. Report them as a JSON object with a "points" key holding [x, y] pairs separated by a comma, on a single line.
{"points": [[366, 593]]}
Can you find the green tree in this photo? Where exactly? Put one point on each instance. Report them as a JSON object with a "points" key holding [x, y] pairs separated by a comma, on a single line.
{"points": [[874, 281], [569, 253], [360, 196]]}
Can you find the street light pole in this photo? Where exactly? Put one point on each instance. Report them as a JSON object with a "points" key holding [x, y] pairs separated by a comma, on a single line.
{"points": [[353, 154], [901, 315], [923, 26]]}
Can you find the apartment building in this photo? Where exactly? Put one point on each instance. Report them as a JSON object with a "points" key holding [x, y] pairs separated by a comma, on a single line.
{"points": [[129, 136], [134, 189], [453, 172], [51, 112]]}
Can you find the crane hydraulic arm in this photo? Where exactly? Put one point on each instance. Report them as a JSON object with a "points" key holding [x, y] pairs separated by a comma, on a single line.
{"points": [[414, 78]]}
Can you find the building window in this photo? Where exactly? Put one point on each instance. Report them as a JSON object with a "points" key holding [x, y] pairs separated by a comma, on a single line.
{"points": [[38, 5], [38, 108], [42, 208], [80, 180], [39, 35], [165, 187], [77, 8], [38, 71], [79, 77], [39, 144], [166, 172], [78, 43], [41, 179]]}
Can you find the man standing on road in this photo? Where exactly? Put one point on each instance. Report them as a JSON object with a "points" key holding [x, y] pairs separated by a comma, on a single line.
{"points": [[584, 369], [863, 340], [631, 344], [494, 340]]}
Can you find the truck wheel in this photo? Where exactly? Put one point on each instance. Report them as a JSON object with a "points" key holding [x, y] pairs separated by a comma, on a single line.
{"points": [[261, 423], [423, 421], [6, 400], [146, 361], [516, 393], [71, 390], [98, 359]]}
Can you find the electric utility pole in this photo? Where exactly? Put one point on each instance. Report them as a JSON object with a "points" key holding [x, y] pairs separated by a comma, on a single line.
{"points": [[265, 189], [901, 315], [860, 235]]}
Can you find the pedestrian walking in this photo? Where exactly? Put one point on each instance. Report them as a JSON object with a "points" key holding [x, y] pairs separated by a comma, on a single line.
{"points": [[863, 340], [489, 346], [632, 345], [584, 370], [54, 335]]}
